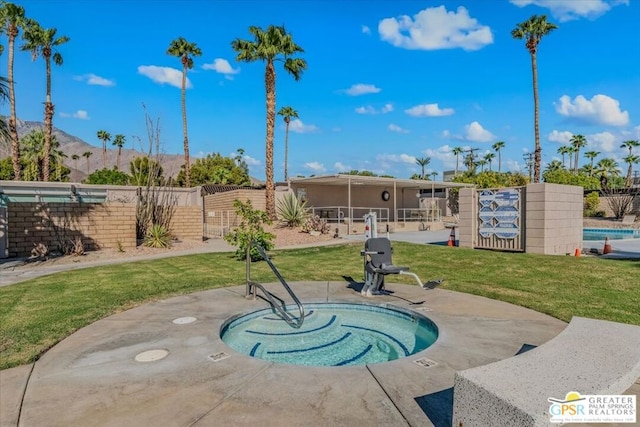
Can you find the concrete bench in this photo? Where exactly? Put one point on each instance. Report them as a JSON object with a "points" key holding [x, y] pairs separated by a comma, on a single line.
{"points": [[589, 356]]}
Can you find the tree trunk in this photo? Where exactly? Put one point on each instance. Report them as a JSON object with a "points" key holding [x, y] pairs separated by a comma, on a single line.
{"points": [[104, 153], [13, 125], [270, 86], [48, 123], [286, 153], [537, 158], [187, 169], [119, 154], [499, 162]]}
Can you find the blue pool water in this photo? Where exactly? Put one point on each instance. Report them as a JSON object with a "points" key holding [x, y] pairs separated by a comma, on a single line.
{"points": [[331, 335], [611, 233]]}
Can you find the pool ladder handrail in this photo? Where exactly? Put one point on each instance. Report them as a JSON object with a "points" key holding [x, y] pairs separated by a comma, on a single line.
{"points": [[279, 306]]}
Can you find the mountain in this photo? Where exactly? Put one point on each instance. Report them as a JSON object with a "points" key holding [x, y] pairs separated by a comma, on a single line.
{"points": [[71, 145]]}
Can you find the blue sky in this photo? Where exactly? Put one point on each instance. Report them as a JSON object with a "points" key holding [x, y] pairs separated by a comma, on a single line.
{"points": [[387, 81]]}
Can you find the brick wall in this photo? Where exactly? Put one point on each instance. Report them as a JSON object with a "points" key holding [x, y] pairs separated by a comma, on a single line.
{"points": [[186, 223], [98, 225]]}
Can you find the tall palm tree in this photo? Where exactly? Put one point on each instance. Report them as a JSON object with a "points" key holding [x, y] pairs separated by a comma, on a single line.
{"points": [[481, 163], [12, 19], [434, 175], [497, 146], [119, 142], [591, 155], [489, 158], [270, 45], [571, 151], [423, 162], [43, 42], [186, 51], [577, 142], [631, 159], [456, 152], [563, 150], [104, 136], [631, 144], [75, 159], [532, 30], [4, 96], [86, 155], [287, 113]]}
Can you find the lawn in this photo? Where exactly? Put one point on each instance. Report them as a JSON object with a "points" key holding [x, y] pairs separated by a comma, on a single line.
{"points": [[37, 314]]}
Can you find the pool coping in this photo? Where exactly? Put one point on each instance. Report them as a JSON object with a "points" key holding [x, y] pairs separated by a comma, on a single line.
{"points": [[91, 377]]}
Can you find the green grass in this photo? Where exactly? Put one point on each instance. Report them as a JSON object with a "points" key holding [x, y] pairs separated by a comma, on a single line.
{"points": [[37, 314]]}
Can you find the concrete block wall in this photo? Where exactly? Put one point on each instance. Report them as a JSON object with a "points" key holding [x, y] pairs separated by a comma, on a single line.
{"points": [[468, 217], [186, 223], [98, 225], [553, 219]]}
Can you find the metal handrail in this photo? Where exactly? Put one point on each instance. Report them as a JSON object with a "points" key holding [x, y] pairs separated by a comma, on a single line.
{"points": [[281, 307]]}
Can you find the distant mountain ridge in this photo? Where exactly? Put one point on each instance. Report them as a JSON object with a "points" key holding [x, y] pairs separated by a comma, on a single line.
{"points": [[71, 145]]}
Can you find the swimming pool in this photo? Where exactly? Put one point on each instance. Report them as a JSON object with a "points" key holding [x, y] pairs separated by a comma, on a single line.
{"points": [[332, 335], [611, 233]]}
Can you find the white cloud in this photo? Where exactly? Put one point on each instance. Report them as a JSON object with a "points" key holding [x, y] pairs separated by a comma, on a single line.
{"points": [[396, 158], [95, 80], [163, 75], [222, 66], [366, 30], [297, 126], [637, 131], [250, 161], [80, 114], [436, 28], [429, 110], [604, 141], [476, 133], [395, 128], [368, 109], [563, 137], [316, 167], [601, 110], [338, 166], [444, 155], [446, 133], [567, 10], [361, 89]]}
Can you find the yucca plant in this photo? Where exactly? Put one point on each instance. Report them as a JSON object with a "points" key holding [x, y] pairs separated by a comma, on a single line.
{"points": [[157, 237], [291, 210]]}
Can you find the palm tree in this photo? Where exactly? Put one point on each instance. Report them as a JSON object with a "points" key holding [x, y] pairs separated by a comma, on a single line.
{"points": [[554, 165], [184, 50], [591, 155], [564, 150], [86, 155], [274, 44], [434, 175], [4, 96], [499, 145], [532, 30], [631, 159], [104, 136], [456, 152], [119, 142], [12, 19], [489, 158], [287, 113], [608, 167], [481, 163], [423, 162], [630, 145], [577, 142], [75, 159], [43, 42]]}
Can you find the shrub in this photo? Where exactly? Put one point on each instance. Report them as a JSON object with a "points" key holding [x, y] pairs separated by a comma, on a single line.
{"points": [[315, 223], [591, 203], [157, 237], [250, 230], [291, 210]]}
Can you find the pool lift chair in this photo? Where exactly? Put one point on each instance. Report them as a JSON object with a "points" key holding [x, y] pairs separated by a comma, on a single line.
{"points": [[378, 263]]}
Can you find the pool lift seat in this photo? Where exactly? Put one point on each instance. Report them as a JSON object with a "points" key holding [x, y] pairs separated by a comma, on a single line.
{"points": [[378, 264]]}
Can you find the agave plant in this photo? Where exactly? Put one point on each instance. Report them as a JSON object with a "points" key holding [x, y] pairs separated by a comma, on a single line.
{"points": [[157, 237], [291, 210]]}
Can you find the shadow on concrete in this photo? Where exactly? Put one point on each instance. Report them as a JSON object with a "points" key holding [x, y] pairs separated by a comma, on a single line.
{"points": [[438, 407]]}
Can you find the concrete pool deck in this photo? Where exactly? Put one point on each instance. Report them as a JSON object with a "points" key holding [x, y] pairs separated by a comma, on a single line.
{"points": [[92, 377]]}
